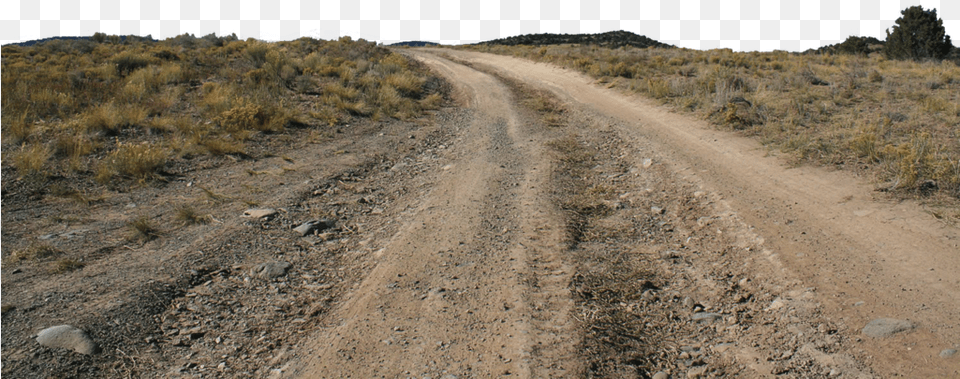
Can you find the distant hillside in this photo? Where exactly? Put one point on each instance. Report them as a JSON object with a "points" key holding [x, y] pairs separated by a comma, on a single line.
{"points": [[415, 43], [615, 39], [36, 41]]}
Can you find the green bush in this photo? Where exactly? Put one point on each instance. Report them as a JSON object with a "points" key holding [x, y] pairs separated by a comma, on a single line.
{"points": [[918, 34]]}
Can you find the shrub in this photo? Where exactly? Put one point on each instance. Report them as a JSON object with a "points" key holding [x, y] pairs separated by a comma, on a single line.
{"points": [[135, 161], [32, 159], [918, 34], [142, 229]]}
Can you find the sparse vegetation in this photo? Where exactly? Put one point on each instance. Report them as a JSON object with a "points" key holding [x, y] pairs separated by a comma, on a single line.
{"points": [[35, 252], [142, 229], [897, 119], [66, 265], [189, 215], [146, 104]]}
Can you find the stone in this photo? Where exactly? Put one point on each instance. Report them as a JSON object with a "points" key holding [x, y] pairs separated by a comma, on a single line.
{"points": [[657, 210], [661, 375], [270, 270], [266, 213], [314, 225], [886, 327], [705, 317], [647, 163], [947, 353], [68, 337]]}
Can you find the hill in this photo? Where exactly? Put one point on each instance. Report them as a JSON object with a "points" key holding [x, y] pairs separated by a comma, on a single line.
{"points": [[613, 39]]}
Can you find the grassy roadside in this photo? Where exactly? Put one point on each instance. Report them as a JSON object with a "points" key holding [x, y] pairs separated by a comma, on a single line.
{"points": [[126, 111], [896, 120]]}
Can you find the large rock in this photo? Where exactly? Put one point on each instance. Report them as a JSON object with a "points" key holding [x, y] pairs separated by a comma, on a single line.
{"points": [[270, 270], [886, 327], [68, 337]]}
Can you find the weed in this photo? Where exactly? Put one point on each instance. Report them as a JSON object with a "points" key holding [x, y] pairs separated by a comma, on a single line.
{"points": [[189, 215], [66, 265], [135, 161], [213, 196], [33, 253], [142, 229], [31, 160]]}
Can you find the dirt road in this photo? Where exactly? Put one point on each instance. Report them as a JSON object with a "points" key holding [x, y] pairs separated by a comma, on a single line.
{"points": [[448, 294], [544, 227]]}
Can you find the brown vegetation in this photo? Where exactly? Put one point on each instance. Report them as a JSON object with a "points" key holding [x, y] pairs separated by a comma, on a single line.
{"points": [[897, 119], [109, 109]]}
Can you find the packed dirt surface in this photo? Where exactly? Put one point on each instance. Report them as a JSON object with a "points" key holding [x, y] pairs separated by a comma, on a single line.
{"points": [[541, 226]]}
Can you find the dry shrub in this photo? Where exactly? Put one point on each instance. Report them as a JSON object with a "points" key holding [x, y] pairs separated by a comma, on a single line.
{"points": [[134, 161], [142, 229], [188, 215], [33, 253], [32, 159], [250, 116], [406, 83]]}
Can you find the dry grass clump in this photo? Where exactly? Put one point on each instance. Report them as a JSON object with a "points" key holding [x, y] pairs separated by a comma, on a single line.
{"points": [[33, 253], [898, 118], [201, 96], [142, 229], [134, 161], [188, 215], [66, 265]]}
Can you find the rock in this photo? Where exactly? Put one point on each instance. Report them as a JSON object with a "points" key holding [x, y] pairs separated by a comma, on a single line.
{"points": [[647, 163], [697, 372], [657, 210], [947, 353], [265, 214], [859, 303], [68, 337], [314, 225], [669, 254], [661, 375], [270, 270], [705, 317], [886, 327]]}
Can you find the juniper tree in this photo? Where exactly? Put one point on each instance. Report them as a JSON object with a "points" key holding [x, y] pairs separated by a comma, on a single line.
{"points": [[918, 34]]}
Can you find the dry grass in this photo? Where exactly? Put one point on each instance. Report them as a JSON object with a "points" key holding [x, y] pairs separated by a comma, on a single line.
{"points": [[66, 265], [133, 161], [898, 118], [142, 229], [95, 99], [188, 215], [35, 252]]}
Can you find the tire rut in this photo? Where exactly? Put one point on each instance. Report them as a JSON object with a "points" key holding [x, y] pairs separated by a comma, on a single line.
{"points": [[471, 284]]}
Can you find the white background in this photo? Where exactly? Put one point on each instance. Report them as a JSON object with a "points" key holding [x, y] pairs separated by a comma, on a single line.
{"points": [[742, 25]]}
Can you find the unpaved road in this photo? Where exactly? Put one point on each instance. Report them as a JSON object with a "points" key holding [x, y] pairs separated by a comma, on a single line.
{"points": [[609, 238], [824, 254]]}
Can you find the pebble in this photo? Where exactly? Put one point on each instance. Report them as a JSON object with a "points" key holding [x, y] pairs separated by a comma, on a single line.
{"points": [[947, 353], [647, 163], [68, 337], [705, 317], [661, 375], [657, 210], [697, 372], [266, 213], [859, 303], [886, 327], [270, 270]]}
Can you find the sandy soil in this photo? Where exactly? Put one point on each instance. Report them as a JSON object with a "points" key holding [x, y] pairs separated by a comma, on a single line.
{"points": [[625, 241]]}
